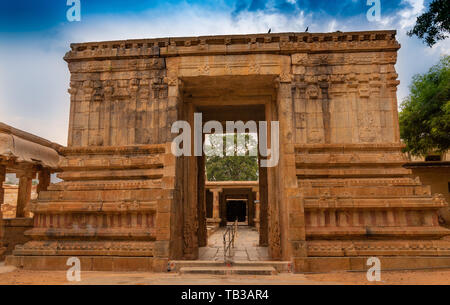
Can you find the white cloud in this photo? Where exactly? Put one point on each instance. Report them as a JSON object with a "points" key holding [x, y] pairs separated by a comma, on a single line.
{"points": [[409, 15], [190, 21]]}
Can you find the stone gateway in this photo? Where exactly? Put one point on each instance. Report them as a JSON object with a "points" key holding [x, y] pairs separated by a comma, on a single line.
{"points": [[338, 195]]}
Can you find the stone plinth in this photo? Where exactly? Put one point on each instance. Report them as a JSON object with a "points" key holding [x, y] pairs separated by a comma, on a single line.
{"points": [[114, 202], [13, 232]]}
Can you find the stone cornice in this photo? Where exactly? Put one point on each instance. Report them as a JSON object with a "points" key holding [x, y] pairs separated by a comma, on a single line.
{"points": [[349, 147], [276, 43], [114, 150]]}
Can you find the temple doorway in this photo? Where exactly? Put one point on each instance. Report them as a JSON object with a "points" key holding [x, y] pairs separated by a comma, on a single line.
{"points": [[237, 211], [230, 203], [209, 205]]}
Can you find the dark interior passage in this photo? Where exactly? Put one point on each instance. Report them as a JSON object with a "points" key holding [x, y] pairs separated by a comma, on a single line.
{"points": [[236, 209]]}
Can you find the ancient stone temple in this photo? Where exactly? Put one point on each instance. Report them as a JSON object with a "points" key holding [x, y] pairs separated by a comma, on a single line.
{"points": [[338, 195]]}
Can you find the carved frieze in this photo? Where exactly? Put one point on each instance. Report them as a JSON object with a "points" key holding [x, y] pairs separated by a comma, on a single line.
{"points": [[121, 91], [253, 69], [312, 92], [203, 70], [108, 90], [300, 59]]}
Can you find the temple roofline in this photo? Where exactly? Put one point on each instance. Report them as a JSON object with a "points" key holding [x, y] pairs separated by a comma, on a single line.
{"points": [[20, 147], [4, 128], [275, 43]]}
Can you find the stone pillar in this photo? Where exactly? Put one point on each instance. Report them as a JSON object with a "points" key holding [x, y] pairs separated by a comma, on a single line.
{"points": [[24, 194], [251, 209], [201, 209], [216, 207], [256, 206], [2, 179], [263, 208], [190, 194], [44, 180], [223, 209], [2, 196], [292, 219]]}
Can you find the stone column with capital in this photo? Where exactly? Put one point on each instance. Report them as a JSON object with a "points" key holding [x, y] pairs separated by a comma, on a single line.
{"points": [[24, 194]]}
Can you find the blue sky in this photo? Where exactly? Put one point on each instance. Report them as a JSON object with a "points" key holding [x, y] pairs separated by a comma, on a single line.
{"points": [[35, 34]]}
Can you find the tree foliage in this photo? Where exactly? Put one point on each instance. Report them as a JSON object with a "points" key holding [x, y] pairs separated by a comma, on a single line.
{"points": [[425, 113], [231, 162], [433, 25]]}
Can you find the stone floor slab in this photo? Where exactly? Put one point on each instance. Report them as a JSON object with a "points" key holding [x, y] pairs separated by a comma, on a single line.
{"points": [[245, 246]]}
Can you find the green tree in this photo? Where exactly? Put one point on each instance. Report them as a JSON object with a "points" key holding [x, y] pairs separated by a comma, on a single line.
{"points": [[433, 25], [425, 113], [231, 162]]}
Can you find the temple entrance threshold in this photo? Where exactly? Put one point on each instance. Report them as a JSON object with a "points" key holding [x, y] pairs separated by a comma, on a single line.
{"points": [[247, 256]]}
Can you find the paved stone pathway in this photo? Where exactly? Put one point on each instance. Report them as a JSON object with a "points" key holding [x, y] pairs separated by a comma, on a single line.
{"points": [[245, 247]]}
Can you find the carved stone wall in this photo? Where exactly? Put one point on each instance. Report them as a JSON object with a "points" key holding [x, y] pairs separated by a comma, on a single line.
{"points": [[118, 102], [345, 98]]}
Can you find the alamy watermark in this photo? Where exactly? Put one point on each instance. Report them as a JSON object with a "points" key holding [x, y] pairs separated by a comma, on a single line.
{"points": [[73, 274], [374, 272], [374, 12], [182, 144], [74, 11]]}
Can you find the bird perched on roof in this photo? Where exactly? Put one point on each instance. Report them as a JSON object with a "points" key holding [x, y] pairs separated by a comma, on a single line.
{"points": [[270, 30], [307, 29]]}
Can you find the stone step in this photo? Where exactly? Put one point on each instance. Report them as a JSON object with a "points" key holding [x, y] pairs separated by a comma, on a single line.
{"points": [[279, 266], [229, 270]]}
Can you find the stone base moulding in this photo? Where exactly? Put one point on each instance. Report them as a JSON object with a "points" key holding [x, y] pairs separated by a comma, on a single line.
{"points": [[89, 263], [13, 234], [332, 264], [151, 264]]}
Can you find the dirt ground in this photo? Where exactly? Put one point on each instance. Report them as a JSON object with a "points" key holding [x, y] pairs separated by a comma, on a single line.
{"points": [[11, 276]]}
